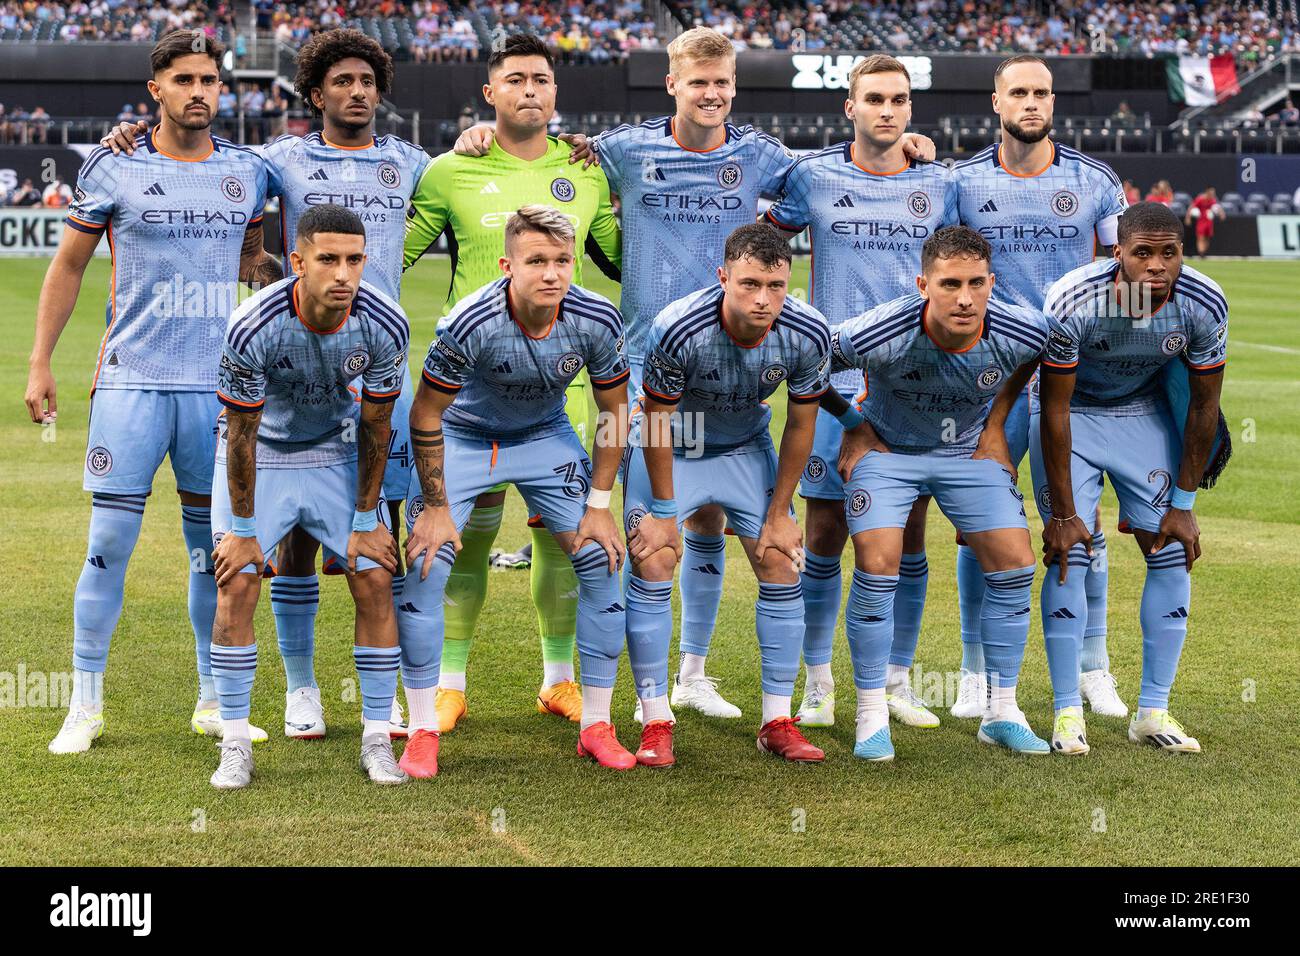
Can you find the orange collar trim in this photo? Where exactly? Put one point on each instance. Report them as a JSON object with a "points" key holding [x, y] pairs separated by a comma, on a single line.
{"points": [[180, 159], [510, 308], [672, 128], [1026, 175], [307, 325], [925, 309], [853, 156]]}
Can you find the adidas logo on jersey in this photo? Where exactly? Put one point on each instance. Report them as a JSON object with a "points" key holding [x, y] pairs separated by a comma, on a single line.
{"points": [[614, 608], [1103, 346], [318, 175], [844, 202], [706, 569], [283, 363], [913, 376], [989, 206], [408, 608], [503, 368], [155, 190], [1062, 614], [714, 376], [489, 189]]}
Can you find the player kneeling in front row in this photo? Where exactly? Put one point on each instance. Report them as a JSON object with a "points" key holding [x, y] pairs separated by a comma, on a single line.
{"points": [[934, 361], [715, 356], [490, 409], [1115, 327], [293, 456]]}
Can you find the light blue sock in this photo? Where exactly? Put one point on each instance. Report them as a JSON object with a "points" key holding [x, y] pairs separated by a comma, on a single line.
{"points": [[704, 562], [233, 669], [114, 529], [294, 602], [1004, 623], [377, 672], [196, 526], [822, 585], [602, 620], [1065, 612], [649, 632], [970, 602], [869, 622], [1166, 597], [1095, 583], [778, 613], [420, 620], [909, 605]]}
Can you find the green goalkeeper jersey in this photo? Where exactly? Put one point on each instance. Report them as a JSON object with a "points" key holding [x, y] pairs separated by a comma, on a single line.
{"points": [[472, 197]]}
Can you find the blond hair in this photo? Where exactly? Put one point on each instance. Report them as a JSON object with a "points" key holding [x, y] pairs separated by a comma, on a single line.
{"points": [[876, 63], [699, 43], [536, 218]]}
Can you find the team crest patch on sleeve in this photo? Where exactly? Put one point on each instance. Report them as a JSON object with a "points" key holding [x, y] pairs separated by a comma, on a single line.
{"points": [[563, 190], [388, 175], [859, 503], [1065, 204], [98, 461], [1173, 343], [569, 363], [774, 374], [357, 361], [918, 203], [232, 189], [990, 377], [816, 469], [414, 507], [730, 175], [450, 354], [1045, 499]]}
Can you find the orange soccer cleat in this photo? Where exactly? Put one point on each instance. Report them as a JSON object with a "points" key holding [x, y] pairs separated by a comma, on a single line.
{"points": [[449, 705], [563, 699], [656, 748], [782, 737], [599, 743], [420, 756]]}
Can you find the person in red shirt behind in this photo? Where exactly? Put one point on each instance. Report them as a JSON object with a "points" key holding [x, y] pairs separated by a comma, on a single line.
{"points": [[1161, 192], [1205, 209]]}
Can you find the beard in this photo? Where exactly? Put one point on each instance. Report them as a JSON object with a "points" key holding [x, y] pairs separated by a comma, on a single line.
{"points": [[188, 120], [1016, 131]]}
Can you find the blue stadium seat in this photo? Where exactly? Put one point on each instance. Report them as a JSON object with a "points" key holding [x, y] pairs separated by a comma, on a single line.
{"points": [[1254, 209]]}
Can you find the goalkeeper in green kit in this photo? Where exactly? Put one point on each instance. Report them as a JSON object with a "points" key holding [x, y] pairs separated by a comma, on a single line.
{"points": [[469, 200]]}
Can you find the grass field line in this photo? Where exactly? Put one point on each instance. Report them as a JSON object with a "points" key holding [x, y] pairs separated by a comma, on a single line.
{"points": [[1282, 349]]}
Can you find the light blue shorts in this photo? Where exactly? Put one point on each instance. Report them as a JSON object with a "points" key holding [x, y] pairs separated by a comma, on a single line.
{"points": [[131, 431], [397, 473], [820, 478], [975, 495]]}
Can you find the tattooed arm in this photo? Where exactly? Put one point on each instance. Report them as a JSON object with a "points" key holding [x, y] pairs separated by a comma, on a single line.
{"points": [[234, 552], [378, 543], [433, 527], [257, 267]]}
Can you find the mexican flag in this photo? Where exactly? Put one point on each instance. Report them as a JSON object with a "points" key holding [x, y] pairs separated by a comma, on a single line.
{"points": [[1202, 80]]}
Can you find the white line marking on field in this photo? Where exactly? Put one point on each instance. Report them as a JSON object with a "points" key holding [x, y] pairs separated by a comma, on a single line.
{"points": [[1268, 348]]}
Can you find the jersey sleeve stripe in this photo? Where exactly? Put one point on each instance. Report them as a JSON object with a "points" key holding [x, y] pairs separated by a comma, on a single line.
{"points": [[781, 225], [94, 160], [676, 340], [436, 383], [1059, 369], [1016, 333], [1208, 305], [821, 336], [1212, 299], [805, 399], [615, 382], [597, 315], [660, 397], [380, 398], [80, 225], [251, 324], [385, 318], [1206, 369], [470, 319], [684, 327], [876, 335], [238, 405]]}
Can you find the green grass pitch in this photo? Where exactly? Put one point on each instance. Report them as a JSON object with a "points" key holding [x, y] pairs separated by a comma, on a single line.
{"points": [[511, 789]]}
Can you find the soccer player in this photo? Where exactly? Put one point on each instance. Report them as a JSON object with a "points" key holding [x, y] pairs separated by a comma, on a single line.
{"points": [[933, 360], [1044, 208], [490, 408], [868, 210], [184, 223], [687, 181], [1204, 210], [342, 74], [1116, 325], [294, 455], [470, 200], [715, 357]]}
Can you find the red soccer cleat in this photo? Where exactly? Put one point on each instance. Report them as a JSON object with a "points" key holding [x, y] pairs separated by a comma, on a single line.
{"points": [[420, 756], [657, 744], [599, 743], [782, 737]]}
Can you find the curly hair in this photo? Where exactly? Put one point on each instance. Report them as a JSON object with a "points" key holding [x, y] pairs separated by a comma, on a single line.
{"points": [[325, 49]]}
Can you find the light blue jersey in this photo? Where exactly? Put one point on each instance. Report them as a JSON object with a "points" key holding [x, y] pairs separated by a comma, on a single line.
{"points": [[375, 182], [866, 230], [302, 379], [1042, 225], [509, 386], [923, 399], [714, 381], [679, 206], [175, 230]]}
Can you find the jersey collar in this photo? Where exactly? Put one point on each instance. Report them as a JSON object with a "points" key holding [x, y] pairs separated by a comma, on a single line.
{"points": [[510, 310], [925, 308], [1056, 161], [672, 133], [154, 148], [851, 160], [293, 303]]}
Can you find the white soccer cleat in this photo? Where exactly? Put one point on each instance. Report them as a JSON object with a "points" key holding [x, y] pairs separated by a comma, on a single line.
{"points": [[397, 725], [378, 762], [236, 768], [1099, 690], [637, 715], [304, 718], [1069, 734], [1162, 732], [818, 706], [701, 693], [207, 723], [908, 709], [972, 695], [79, 730]]}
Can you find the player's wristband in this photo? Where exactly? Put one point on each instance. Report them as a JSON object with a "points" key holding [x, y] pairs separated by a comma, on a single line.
{"points": [[1182, 500], [243, 527], [850, 419], [598, 498], [663, 507], [365, 520]]}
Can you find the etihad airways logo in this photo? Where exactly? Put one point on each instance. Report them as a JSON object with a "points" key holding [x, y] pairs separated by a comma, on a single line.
{"points": [[815, 71]]}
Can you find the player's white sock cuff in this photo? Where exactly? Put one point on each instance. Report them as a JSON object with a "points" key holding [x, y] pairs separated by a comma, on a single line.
{"points": [[452, 680], [774, 706], [656, 708], [821, 674], [595, 705], [896, 675], [553, 674], [424, 714], [872, 712], [692, 666]]}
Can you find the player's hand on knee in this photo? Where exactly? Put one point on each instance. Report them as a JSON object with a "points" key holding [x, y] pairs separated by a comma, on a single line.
{"points": [[993, 447], [121, 138], [232, 554], [582, 149], [916, 146], [1059, 536], [781, 532], [431, 530], [1180, 526], [475, 141], [597, 525], [653, 535], [378, 545], [854, 445], [42, 404]]}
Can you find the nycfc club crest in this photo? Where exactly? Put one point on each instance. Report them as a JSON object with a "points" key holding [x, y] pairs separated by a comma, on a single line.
{"points": [[414, 507], [729, 176], [816, 469], [918, 203], [232, 189], [633, 520], [859, 502], [1045, 499], [356, 362], [569, 364], [388, 175], [773, 374], [990, 377], [98, 461], [1065, 204], [1174, 343], [563, 190]]}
